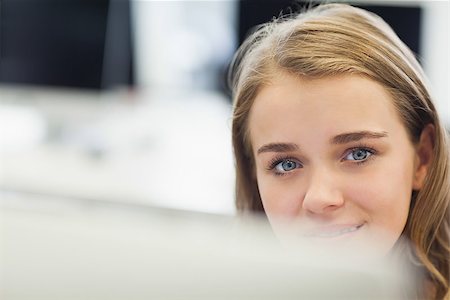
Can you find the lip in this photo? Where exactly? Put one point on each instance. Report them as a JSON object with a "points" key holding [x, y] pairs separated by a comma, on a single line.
{"points": [[334, 231]]}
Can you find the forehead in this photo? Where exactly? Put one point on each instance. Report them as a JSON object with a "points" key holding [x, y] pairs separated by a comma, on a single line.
{"points": [[291, 107]]}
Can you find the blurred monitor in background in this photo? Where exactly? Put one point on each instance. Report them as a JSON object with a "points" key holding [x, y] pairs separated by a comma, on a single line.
{"points": [[254, 12], [66, 43]]}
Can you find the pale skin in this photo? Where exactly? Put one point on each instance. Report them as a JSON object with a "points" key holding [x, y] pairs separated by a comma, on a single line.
{"points": [[334, 162]]}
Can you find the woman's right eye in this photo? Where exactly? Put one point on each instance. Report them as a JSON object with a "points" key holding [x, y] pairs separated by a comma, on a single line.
{"points": [[286, 165]]}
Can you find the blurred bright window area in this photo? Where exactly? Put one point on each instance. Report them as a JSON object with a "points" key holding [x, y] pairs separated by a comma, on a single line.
{"points": [[127, 101]]}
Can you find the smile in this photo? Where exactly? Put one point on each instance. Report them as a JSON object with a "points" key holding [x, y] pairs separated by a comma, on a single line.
{"points": [[334, 231]]}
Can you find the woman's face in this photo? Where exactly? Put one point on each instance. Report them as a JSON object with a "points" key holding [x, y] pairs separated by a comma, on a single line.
{"points": [[334, 163]]}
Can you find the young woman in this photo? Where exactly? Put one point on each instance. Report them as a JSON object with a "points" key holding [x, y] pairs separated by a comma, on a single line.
{"points": [[336, 136]]}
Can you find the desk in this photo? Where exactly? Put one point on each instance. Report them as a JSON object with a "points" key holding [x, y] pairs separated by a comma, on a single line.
{"points": [[165, 148]]}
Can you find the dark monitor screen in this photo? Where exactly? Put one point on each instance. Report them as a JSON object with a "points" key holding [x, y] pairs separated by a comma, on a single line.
{"points": [[405, 20], [65, 43]]}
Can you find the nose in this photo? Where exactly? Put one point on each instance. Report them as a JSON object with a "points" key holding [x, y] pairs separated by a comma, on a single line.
{"points": [[323, 194]]}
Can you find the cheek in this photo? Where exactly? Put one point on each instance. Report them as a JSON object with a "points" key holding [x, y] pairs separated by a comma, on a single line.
{"points": [[279, 197], [385, 195]]}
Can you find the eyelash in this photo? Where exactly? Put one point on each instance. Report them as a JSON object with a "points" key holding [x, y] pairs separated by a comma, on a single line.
{"points": [[365, 148], [278, 159]]}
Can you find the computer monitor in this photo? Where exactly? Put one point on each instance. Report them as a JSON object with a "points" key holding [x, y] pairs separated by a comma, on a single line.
{"points": [[66, 43], [56, 248], [408, 26]]}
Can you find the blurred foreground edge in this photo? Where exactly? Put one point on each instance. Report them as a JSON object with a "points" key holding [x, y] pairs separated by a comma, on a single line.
{"points": [[102, 251]]}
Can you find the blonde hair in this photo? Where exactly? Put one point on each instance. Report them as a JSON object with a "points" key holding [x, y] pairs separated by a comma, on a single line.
{"points": [[335, 39]]}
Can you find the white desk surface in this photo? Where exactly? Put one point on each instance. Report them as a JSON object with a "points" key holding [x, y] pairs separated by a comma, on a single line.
{"points": [[171, 148]]}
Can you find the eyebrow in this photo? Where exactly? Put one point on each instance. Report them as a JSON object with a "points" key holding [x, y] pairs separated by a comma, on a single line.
{"points": [[343, 138], [278, 147], [357, 136]]}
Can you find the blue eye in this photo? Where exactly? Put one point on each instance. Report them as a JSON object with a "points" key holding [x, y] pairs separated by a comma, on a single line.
{"points": [[286, 165], [359, 154]]}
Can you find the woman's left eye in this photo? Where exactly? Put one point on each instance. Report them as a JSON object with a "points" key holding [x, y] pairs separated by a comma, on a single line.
{"points": [[359, 154]]}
